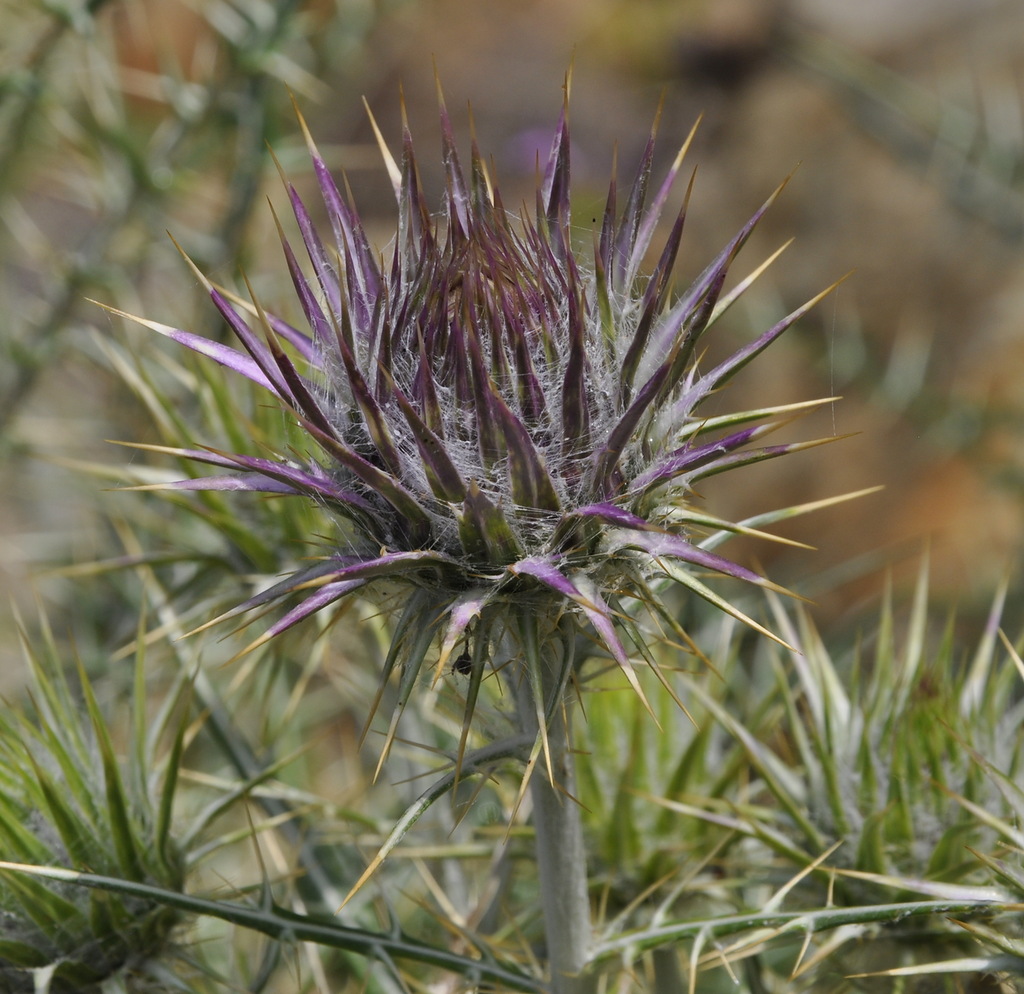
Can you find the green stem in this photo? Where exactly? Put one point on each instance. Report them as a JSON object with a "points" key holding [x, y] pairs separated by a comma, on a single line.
{"points": [[286, 926], [558, 828]]}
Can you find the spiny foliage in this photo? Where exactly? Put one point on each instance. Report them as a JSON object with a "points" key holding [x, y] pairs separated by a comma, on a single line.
{"points": [[66, 801], [815, 778]]}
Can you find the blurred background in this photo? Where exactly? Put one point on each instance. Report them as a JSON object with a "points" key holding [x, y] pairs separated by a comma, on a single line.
{"points": [[123, 119]]}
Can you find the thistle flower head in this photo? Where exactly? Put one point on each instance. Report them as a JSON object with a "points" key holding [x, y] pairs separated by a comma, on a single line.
{"points": [[511, 430]]}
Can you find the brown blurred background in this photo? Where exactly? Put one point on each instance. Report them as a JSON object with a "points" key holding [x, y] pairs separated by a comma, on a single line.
{"points": [[906, 120]]}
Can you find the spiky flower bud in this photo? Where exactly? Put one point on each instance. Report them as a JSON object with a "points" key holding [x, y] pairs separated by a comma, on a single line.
{"points": [[511, 430]]}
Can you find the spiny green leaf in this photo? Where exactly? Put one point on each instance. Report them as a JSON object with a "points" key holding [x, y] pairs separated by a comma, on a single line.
{"points": [[118, 806]]}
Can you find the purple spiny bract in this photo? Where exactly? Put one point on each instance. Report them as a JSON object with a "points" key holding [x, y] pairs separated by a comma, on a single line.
{"points": [[511, 431]]}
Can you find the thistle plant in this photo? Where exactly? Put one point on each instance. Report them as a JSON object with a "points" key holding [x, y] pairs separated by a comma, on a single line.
{"points": [[843, 781], [509, 433], [66, 801]]}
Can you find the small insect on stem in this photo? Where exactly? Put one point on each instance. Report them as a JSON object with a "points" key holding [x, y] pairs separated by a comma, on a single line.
{"points": [[464, 663]]}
